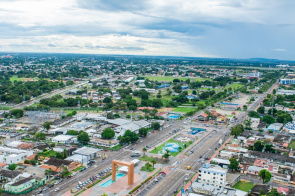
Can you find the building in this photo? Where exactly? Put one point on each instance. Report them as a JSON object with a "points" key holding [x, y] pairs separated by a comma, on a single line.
{"points": [[256, 75], [213, 175], [84, 155], [11, 155], [285, 92], [65, 139], [283, 66], [104, 143], [287, 81]]}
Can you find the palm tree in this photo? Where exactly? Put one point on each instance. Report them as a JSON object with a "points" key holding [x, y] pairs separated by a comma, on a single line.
{"points": [[104, 194], [153, 162], [179, 149], [166, 155], [144, 150], [47, 172], [148, 165]]}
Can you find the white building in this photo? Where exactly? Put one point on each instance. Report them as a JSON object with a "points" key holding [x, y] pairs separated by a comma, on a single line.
{"points": [[213, 175], [11, 155], [66, 139], [84, 155]]}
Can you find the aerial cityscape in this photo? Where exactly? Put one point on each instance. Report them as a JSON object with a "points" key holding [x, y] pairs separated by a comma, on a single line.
{"points": [[147, 98]]}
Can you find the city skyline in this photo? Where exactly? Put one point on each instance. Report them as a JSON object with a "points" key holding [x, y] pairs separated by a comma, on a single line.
{"points": [[221, 29]]}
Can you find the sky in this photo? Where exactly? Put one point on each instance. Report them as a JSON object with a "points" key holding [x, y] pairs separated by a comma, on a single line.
{"points": [[195, 28]]}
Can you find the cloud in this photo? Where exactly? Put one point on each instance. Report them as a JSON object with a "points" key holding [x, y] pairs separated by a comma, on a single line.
{"points": [[214, 28], [279, 49]]}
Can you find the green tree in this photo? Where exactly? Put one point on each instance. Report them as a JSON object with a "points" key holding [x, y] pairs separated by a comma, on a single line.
{"points": [[261, 110], [17, 113], [234, 164], [143, 131], [12, 166], [148, 165], [253, 114], [268, 119], [47, 172], [108, 133], [64, 171], [155, 125], [144, 151], [46, 125], [72, 132], [83, 138], [128, 116], [274, 192], [258, 146], [166, 155], [265, 175], [237, 130], [40, 136], [153, 162]]}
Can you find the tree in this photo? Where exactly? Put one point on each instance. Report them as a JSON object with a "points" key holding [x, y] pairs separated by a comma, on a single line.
{"points": [[83, 138], [40, 136], [166, 155], [274, 192], [153, 162], [128, 116], [155, 125], [265, 175], [148, 165], [144, 150], [245, 107], [46, 125], [179, 149], [47, 172], [237, 130], [17, 113], [12, 166], [64, 171], [33, 162], [253, 114], [108, 133], [234, 164], [258, 146], [143, 131], [72, 132], [268, 119], [261, 110]]}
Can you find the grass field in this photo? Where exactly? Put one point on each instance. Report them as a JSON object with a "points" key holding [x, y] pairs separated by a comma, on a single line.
{"points": [[13, 78], [159, 148], [292, 144], [185, 110], [234, 86], [78, 168], [244, 186], [170, 78]]}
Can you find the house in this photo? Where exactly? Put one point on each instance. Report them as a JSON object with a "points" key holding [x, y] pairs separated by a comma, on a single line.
{"points": [[103, 142], [275, 127], [221, 119], [203, 117], [12, 155], [8, 174], [254, 170], [21, 186], [60, 162], [65, 139], [256, 189]]}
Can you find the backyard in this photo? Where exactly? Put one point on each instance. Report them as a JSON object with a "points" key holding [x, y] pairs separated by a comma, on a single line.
{"points": [[183, 109], [244, 186], [160, 148]]}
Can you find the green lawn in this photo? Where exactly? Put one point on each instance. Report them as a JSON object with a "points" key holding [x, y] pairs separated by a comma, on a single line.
{"points": [[292, 144], [185, 110], [50, 153], [244, 186], [234, 86], [78, 168], [159, 148], [170, 78], [13, 78], [146, 158]]}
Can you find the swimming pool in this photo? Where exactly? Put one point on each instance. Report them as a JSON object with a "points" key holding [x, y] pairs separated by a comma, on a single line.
{"points": [[172, 147], [196, 130], [109, 182], [173, 117]]}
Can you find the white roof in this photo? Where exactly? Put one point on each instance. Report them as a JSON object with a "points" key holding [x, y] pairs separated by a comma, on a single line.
{"points": [[123, 169], [77, 158], [58, 149], [63, 137], [118, 121], [86, 151], [224, 161], [14, 144]]}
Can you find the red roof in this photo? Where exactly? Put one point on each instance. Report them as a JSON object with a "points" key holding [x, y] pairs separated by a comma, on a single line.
{"points": [[283, 190]]}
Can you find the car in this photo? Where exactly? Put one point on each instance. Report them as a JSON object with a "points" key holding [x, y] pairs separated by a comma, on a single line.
{"points": [[51, 185], [45, 188], [56, 182], [141, 141], [201, 156], [39, 192], [153, 131], [147, 147], [175, 191], [156, 180], [131, 148], [57, 189]]}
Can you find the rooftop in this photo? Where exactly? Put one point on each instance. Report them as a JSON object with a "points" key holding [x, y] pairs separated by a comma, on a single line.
{"points": [[86, 151], [22, 181]]}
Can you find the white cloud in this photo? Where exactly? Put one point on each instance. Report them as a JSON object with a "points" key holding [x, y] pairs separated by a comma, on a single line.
{"points": [[223, 28], [279, 49]]}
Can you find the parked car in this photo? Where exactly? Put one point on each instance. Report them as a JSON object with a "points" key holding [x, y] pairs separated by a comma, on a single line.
{"points": [[57, 189]]}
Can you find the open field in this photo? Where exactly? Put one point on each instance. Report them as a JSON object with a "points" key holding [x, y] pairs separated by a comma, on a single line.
{"points": [[234, 86], [159, 148], [185, 110], [244, 186], [13, 78], [170, 78]]}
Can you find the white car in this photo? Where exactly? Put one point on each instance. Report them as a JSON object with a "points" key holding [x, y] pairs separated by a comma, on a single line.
{"points": [[57, 189]]}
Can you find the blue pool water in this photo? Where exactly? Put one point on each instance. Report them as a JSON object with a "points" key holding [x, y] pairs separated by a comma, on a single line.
{"points": [[196, 130], [109, 182], [172, 147], [173, 117]]}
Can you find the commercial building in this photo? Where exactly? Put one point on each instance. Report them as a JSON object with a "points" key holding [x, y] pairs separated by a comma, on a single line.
{"points": [[287, 81], [11, 155], [84, 155], [212, 175], [65, 139], [254, 75]]}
